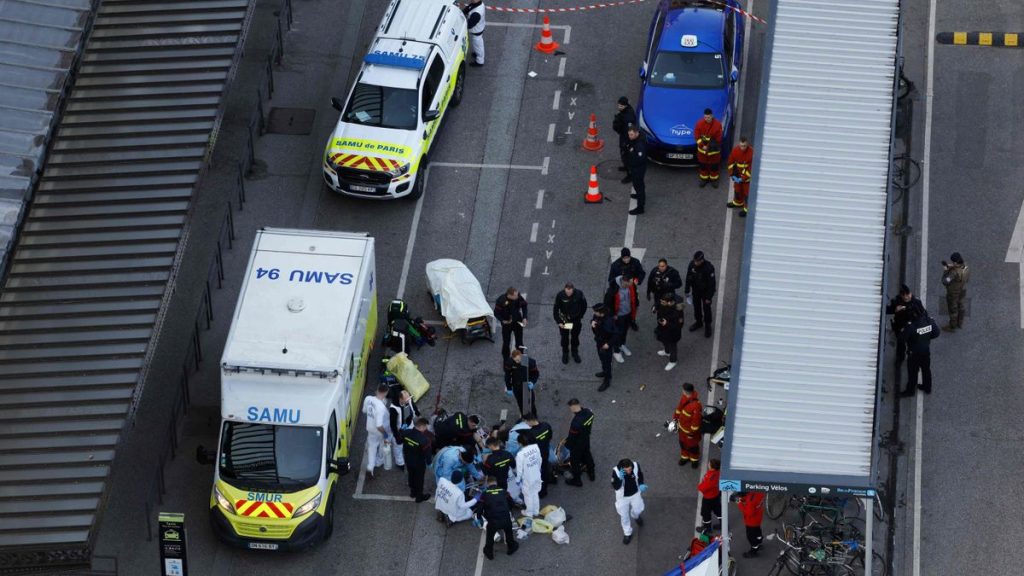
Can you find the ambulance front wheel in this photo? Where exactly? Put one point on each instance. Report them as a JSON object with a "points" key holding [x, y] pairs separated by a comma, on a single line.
{"points": [[460, 85], [417, 186], [329, 529]]}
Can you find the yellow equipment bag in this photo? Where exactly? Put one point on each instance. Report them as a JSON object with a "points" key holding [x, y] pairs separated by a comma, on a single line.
{"points": [[408, 375]]}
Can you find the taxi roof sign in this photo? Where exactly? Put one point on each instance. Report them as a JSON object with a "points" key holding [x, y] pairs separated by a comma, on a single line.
{"points": [[396, 59], [689, 41]]}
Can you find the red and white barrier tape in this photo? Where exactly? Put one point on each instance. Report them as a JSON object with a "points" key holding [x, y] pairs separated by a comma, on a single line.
{"points": [[570, 9]]}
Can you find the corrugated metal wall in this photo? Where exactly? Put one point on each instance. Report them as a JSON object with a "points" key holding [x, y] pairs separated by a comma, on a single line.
{"points": [[90, 269], [805, 395], [39, 44]]}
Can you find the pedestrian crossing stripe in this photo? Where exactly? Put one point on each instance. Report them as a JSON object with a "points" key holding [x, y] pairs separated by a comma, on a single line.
{"points": [[996, 39]]}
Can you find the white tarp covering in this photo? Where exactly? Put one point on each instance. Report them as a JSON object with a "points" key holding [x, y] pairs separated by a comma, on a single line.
{"points": [[457, 293]]}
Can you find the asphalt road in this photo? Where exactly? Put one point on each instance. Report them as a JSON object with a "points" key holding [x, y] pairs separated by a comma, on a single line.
{"points": [[970, 497], [485, 216]]}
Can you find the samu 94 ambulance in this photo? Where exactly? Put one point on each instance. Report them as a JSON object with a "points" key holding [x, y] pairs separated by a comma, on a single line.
{"points": [[292, 376], [414, 71]]}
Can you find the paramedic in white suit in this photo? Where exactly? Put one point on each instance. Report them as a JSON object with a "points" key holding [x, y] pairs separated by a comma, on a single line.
{"points": [[628, 483], [528, 464], [451, 501], [376, 426], [476, 21]]}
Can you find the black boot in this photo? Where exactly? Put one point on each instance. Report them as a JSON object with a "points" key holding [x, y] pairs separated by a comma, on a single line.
{"points": [[565, 356], [576, 356]]}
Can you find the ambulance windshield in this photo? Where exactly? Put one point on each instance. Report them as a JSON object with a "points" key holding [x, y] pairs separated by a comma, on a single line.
{"points": [[262, 456], [383, 106]]}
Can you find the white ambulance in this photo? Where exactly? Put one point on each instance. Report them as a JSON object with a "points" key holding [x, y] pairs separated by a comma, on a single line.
{"points": [[415, 70], [292, 376]]}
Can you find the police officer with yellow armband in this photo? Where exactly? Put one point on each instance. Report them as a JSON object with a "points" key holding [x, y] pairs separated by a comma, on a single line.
{"points": [[477, 21], [578, 443], [542, 434], [498, 462], [496, 508], [418, 455]]}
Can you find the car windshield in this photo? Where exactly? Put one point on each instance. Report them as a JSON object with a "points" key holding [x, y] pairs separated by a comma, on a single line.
{"points": [[260, 456], [688, 70], [382, 106]]}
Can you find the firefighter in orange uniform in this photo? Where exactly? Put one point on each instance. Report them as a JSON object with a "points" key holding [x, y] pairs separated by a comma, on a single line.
{"points": [[708, 134], [739, 164], [687, 417]]}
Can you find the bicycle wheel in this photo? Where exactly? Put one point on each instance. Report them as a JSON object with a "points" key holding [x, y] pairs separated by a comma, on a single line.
{"points": [[775, 505], [879, 567]]}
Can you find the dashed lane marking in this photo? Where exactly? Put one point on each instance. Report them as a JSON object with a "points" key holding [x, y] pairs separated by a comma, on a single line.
{"points": [[557, 99], [561, 67], [533, 233], [540, 199], [551, 132], [529, 268]]}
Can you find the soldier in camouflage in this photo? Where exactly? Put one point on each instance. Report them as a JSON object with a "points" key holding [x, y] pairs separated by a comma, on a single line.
{"points": [[954, 278]]}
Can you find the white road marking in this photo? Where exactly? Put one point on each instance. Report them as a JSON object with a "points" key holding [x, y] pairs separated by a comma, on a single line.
{"points": [[571, 114], [408, 260], [388, 497], [552, 224], [561, 67], [723, 270], [572, 101], [638, 253], [568, 33], [923, 290], [558, 97], [1015, 253], [544, 166], [540, 199], [551, 132], [533, 232], [528, 268], [471, 165], [480, 554]]}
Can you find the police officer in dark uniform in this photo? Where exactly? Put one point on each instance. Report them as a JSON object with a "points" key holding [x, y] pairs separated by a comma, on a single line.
{"points": [[918, 335], [498, 462], [578, 443], [511, 310], [542, 434], [626, 265], [663, 278], [902, 308], [569, 309], [700, 282], [496, 508], [521, 376], [636, 161], [623, 118], [605, 333], [418, 455]]}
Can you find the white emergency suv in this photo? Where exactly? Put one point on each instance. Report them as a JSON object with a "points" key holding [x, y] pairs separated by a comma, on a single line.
{"points": [[292, 376], [414, 71]]}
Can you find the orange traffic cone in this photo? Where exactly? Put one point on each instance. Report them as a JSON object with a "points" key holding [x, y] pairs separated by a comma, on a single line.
{"points": [[593, 192], [593, 143], [546, 44]]}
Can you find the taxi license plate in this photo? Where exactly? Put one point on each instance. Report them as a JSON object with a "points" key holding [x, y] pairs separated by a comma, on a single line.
{"points": [[673, 156], [262, 546], [355, 188]]}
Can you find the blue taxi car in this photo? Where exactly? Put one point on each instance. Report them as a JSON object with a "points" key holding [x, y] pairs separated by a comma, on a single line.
{"points": [[693, 59]]}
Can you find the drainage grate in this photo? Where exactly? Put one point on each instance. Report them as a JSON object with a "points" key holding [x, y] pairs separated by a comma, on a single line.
{"points": [[297, 121]]}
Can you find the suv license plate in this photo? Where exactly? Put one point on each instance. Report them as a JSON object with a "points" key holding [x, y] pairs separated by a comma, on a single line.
{"points": [[262, 546], [355, 188], [679, 156]]}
